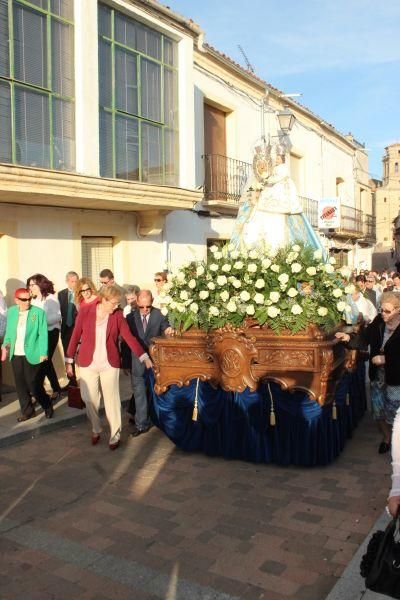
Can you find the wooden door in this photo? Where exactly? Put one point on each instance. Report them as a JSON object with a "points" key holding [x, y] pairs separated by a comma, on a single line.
{"points": [[216, 182]]}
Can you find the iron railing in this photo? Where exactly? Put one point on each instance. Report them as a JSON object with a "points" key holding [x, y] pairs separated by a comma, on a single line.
{"points": [[351, 221], [370, 228], [310, 209], [224, 177]]}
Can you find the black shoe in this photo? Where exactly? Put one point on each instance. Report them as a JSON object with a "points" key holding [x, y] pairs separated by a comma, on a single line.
{"points": [[23, 418], [136, 431], [49, 412], [383, 448]]}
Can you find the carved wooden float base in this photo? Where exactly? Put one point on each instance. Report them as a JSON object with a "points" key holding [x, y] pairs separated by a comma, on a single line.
{"points": [[311, 361]]}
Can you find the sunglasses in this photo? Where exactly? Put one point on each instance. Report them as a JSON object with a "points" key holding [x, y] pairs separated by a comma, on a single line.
{"points": [[142, 306], [85, 290], [24, 299], [386, 311], [158, 280]]}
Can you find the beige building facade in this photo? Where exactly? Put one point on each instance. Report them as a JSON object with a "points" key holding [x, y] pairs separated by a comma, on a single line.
{"points": [[388, 197]]}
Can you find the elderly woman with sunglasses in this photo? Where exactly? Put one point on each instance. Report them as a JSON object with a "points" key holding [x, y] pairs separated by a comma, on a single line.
{"points": [[98, 328], [26, 344], [383, 338]]}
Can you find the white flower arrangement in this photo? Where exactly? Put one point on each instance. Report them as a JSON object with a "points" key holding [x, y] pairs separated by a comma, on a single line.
{"points": [[287, 290]]}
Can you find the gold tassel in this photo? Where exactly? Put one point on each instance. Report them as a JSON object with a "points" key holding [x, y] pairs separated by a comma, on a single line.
{"points": [[272, 417], [195, 407], [334, 411], [347, 399]]}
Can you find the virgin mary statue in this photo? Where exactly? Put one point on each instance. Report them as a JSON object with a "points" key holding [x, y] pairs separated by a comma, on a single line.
{"points": [[270, 212]]}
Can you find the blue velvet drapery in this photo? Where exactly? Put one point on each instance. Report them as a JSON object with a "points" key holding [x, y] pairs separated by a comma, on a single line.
{"points": [[237, 425]]}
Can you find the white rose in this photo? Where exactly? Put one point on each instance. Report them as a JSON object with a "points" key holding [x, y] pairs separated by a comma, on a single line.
{"points": [[292, 292], [238, 265], [245, 296], [265, 263], [317, 254], [332, 260], [283, 278], [349, 289], [167, 300], [167, 286], [164, 311], [291, 257], [337, 292], [204, 294], [231, 306], [236, 283], [274, 296], [180, 276], [222, 280], [341, 306], [234, 254], [213, 310], [217, 255], [192, 284], [296, 309], [224, 295], [213, 267], [322, 311], [253, 254], [194, 308], [213, 249], [259, 298], [252, 267], [345, 271], [226, 268], [273, 311], [211, 285], [296, 248], [329, 268], [250, 310], [181, 308], [184, 295], [296, 268], [275, 268], [199, 271], [311, 271], [173, 305], [259, 284]]}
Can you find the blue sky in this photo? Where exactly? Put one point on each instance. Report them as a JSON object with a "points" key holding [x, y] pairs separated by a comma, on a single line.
{"points": [[342, 55]]}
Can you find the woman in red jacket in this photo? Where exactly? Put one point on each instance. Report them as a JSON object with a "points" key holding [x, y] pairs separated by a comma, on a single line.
{"points": [[98, 327]]}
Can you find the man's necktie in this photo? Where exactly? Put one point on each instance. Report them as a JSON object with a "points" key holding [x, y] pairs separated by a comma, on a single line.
{"points": [[144, 321], [70, 319]]}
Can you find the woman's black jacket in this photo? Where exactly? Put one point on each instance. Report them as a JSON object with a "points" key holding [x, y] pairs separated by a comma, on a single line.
{"points": [[372, 336]]}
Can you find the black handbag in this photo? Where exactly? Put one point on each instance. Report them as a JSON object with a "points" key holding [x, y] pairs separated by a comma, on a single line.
{"points": [[380, 565]]}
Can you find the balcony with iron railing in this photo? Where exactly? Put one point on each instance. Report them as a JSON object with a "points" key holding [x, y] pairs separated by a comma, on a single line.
{"points": [[370, 229], [224, 179]]}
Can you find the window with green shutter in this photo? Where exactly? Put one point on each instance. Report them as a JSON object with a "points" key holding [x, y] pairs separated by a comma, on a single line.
{"points": [[138, 82], [37, 83]]}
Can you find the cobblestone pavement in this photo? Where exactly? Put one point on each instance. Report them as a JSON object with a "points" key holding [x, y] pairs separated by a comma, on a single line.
{"points": [[149, 521]]}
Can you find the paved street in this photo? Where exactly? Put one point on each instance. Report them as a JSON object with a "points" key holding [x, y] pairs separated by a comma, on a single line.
{"points": [[149, 521]]}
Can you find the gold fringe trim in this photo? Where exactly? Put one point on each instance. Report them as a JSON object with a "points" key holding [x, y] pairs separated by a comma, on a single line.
{"points": [[272, 416], [334, 411], [195, 413]]}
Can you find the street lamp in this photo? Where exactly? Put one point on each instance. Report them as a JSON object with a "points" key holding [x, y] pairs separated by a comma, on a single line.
{"points": [[286, 120]]}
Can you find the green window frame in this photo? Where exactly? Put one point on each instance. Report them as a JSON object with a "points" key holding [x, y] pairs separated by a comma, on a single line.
{"points": [[37, 104], [138, 100]]}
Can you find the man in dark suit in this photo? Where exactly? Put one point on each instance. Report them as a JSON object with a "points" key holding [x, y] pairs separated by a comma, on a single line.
{"points": [[68, 311], [68, 308], [145, 323]]}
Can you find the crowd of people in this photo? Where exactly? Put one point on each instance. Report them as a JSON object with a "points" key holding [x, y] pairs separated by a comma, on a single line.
{"points": [[96, 327]]}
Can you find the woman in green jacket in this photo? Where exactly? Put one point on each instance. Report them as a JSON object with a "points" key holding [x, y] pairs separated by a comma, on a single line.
{"points": [[26, 343]]}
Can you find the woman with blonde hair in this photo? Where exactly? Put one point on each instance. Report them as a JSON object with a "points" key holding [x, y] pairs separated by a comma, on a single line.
{"points": [[85, 292], [383, 338], [98, 329]]}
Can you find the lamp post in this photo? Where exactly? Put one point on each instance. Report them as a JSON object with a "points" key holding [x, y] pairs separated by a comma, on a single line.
{"points": [[286, 120]]}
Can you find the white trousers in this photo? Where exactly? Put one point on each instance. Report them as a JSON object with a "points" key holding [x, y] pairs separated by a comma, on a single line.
{"points": [[92, 384]]}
